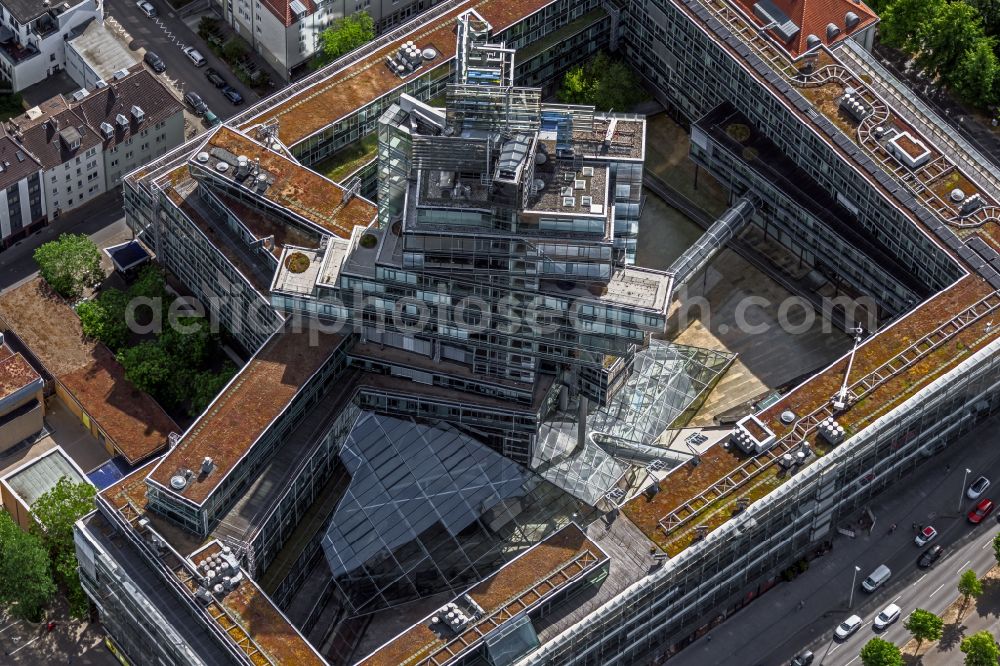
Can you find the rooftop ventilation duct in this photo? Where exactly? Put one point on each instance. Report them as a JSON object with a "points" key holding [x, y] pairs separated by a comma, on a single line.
{"points": [[832, 31], [812, 41], [851, 20]]}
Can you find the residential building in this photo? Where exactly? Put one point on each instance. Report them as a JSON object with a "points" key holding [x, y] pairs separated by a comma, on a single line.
{"points": [[95, 55], [286, 32], [504, 466], [137, 118], [22, 202], [33, 36], [22, 405]]}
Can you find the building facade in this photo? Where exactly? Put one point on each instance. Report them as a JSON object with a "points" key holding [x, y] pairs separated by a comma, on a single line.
{"points": [[22, 201], [556, 424], [33, 37]]}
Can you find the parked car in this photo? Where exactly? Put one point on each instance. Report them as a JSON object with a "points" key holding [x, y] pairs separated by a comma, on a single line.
{"points": [[930, 556], [847, 628], [978, 487], [983, 509], [876, 578], [233, 95], [925, 536], [196, 102], [194, 55], [888, 615], [803, 658], [155, 62], [211, 119], [215, 78], [146, 8]]}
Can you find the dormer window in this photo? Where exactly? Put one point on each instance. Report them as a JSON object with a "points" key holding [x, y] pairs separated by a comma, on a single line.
{"points": [[138, 113]]}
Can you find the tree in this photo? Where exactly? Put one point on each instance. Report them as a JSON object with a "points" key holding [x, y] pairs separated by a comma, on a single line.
{"points": [[149, 284], [905, 23], [996, 547], [969, 586], [924, 626], [25, 575], [205, 386], [949, 35], [56, 512], [980, 649], [148, 367], [190, 348], [345, 35], [234, 50], [990, 11], [70, 264], [879, 652], [603, 82], [977, 79], [103, 318]]}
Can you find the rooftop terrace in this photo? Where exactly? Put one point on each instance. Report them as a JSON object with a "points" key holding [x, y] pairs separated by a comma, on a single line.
{"points": [[50, 329], [15, 372], [239, 415]]}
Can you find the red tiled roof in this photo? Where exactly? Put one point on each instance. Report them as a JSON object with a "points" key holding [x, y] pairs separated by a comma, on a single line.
{"points": [[283, 9], [812, 17]]}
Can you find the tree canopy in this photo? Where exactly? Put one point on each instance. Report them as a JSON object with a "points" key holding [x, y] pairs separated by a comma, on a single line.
{"points": [[980, 649], [70, 264], [56, 511], [345, 35], [969, 585], [603, 82], [924, 626], [103, 318], [25, 575], [880, 652]]}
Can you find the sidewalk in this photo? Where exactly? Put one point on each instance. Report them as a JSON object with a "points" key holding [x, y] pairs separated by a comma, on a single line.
{"points": [[773, 628]]}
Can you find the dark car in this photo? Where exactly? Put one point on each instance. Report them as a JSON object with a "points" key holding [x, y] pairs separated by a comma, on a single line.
{"points": [[215, 78], [196, 102], [803, 658], [233, 95], [155, 62], [930, 556], [983, 509]]}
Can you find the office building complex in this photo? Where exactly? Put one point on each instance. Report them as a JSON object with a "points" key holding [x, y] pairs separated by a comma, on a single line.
{"points": [[453, 409]]}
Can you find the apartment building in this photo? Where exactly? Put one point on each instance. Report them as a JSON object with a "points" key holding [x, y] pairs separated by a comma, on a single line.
{"points": [[542, 444], [33, 36], [286, 32], [22, 201], [22, 405]]}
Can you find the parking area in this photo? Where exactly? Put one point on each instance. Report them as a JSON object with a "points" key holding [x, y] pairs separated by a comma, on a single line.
{"points": [[66, 642]]}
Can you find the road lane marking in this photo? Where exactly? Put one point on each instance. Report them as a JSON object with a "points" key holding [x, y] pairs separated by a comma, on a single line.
{"points": [[895, 600], [962, 568], [25, 645], [10, 626], [920, 579], [835, 648], [853, 660], [938, 589]]}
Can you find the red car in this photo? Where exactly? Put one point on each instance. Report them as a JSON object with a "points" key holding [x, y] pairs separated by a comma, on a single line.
{"points": [[983, 509]]}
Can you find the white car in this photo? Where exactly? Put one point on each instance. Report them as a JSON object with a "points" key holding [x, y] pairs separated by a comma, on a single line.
{"points": [[146, 8], [194, 56], [925, 536], [846, 628], [978, 487], [888, 615]]}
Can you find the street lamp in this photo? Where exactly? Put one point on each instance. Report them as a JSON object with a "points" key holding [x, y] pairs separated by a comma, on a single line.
{"points": [[961, 494], [854, 581]]}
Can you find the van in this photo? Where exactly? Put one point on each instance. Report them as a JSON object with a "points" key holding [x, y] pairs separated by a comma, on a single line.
{"points": [[876, 579]]}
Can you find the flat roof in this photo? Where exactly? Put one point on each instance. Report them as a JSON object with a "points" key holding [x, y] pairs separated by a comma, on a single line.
{"points": [[15, 372], [242, 412], [50, 329], [36, 477], [363, 81], [522, 583], [292, 186]]}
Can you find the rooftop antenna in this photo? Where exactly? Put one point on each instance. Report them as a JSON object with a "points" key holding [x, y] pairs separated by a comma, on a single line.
{"points": [[840, 402]]}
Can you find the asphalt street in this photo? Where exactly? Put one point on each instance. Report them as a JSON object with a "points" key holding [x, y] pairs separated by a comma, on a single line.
{"points": [[166, 35], [102, 219], [803, 613]]}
